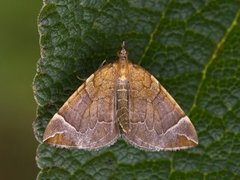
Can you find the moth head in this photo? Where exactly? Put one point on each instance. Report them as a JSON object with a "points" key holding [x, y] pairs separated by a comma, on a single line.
{"points": [[122, 54]]}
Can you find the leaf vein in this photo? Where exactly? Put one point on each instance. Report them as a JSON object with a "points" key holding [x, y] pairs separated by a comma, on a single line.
{"points": [[154, 32], [212, 58]]}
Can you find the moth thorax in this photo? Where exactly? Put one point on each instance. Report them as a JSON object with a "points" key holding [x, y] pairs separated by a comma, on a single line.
{"points": [[123, 70], [123, 104]]}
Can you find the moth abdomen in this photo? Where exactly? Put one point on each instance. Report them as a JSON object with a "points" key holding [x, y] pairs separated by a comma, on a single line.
{"points": [[122, 104]]}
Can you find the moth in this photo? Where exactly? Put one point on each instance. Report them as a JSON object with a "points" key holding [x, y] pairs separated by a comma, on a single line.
{"points": [[121, 99]]}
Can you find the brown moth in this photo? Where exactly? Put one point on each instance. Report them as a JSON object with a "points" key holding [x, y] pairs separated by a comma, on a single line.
{"points": [[121, 99]]}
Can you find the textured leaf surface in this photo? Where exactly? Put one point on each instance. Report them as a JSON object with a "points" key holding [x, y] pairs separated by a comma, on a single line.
{"points": [[192, 47]]}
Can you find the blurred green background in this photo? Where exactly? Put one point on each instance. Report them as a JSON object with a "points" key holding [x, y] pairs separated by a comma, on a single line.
{"points": [[19, 52]]}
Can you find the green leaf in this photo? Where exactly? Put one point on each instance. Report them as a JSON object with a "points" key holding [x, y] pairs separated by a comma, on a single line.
{"points": [[192, 47]]}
